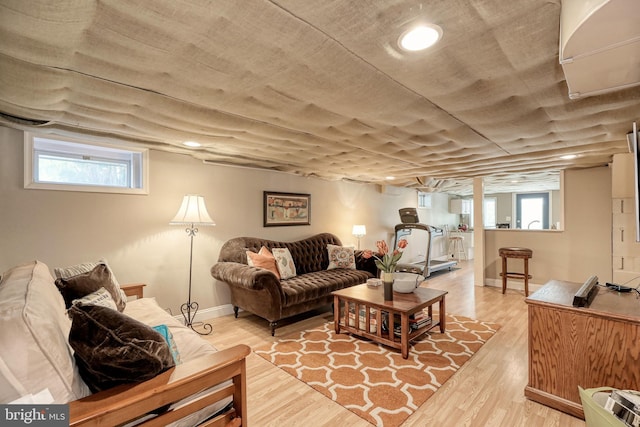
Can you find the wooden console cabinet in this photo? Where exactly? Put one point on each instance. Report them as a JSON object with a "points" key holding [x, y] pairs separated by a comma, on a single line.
{"points": [[589, 347]]}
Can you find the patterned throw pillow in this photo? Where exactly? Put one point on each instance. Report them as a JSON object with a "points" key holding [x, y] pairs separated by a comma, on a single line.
{"points": [[284, 261], [100, 297], [341, 257], [263, 259]]}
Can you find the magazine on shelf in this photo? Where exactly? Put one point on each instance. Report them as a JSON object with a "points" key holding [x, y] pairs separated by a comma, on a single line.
{"points": [[373, 323], [413, 326], [416, 321]]}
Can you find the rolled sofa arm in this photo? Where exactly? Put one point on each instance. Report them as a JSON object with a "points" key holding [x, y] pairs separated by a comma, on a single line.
{"points": [[236, 274], [366, 264]]}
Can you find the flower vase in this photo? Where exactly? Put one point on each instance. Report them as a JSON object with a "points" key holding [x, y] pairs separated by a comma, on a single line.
{"points": [[387, 283]]}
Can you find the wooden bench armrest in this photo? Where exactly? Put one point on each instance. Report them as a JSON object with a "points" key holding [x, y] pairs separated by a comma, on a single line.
{"points": [[128, 402], [133, 289]]}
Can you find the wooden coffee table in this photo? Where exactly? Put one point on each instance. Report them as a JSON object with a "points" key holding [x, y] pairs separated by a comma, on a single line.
{"points": [[369, 304]]}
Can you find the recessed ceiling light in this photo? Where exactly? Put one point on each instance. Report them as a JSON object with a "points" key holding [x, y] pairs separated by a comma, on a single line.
{"points": [[420, 37], [389, 178], [569, 156], [191, 144]]}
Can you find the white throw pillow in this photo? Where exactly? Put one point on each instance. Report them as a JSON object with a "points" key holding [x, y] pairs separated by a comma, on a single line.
{"points": [[341, 257], [284, 261], [101, 297]]}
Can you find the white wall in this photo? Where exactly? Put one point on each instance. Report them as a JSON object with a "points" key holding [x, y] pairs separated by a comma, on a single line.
{"points": [[579, 251], [133, 233]]}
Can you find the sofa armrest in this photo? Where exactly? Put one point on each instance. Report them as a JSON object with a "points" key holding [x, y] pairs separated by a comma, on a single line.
{"points": [[366, 264], [237, 274], [128, 402]]}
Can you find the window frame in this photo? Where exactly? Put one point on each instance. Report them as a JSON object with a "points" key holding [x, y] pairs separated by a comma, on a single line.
{"points": [[494, 201], [424, 200], [138, 170]]}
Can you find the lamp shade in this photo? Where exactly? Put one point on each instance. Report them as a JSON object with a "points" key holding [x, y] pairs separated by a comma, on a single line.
{"points": [[192, 211], [359, 230]]}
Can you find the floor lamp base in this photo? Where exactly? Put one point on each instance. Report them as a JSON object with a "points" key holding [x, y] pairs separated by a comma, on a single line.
{"points": [[206, 326], [189, 310]]}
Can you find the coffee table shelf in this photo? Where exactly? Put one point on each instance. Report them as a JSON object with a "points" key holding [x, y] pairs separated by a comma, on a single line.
{"points": [[369, 303]]}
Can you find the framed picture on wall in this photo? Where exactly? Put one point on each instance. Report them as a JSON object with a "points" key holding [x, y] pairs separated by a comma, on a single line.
{"points": [[286, 209]]}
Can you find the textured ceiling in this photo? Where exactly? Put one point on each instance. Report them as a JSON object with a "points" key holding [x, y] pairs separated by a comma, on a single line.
{"points": [[313, 88]]}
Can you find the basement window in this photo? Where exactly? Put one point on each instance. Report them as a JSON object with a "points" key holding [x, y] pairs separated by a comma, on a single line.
{"points": [[424, 200], [57, 163]]}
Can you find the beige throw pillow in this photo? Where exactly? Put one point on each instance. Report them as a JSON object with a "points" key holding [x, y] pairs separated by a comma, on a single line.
{"points": [[34, 351], [284, 261], [341, 257]]}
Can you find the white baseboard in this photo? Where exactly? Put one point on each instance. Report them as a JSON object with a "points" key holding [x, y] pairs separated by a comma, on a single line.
{"points": [[209, 313]]}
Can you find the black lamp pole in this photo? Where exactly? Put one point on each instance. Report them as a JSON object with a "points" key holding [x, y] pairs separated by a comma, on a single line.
{"points": [[190, 308]]}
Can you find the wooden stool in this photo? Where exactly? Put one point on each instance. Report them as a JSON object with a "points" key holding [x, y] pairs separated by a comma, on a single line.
{"points": [[521, 253], [458, 247]]}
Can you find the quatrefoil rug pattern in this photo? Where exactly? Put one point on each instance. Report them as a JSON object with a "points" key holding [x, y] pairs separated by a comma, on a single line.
{"points": [[372, 380]]}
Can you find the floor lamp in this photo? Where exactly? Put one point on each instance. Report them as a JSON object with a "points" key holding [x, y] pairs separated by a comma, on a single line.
{"points": [[192, 212]]}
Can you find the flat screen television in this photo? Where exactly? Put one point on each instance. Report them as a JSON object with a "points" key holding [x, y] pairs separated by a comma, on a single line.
{"points": [[633, 139]]}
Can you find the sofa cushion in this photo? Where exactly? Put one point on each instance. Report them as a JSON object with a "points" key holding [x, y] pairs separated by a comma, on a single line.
{"points": [[79, 280], [341, 257], [311, 286], [284, 261], [34, 352], [190, 344], [112, 348], [263, 259]]}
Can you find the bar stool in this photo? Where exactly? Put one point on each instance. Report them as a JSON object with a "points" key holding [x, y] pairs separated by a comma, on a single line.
{"points": [[518, 253], [458, 247]]}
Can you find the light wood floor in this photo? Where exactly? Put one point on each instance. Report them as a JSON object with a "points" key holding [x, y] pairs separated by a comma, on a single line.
{"points": [[487, 391]]}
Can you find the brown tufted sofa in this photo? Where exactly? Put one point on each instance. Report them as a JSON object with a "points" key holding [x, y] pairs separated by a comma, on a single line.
{"points": [[260, 292]]}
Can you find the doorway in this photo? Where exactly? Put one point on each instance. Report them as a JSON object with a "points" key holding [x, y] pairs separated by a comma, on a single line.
{"points": [[532, 211]]}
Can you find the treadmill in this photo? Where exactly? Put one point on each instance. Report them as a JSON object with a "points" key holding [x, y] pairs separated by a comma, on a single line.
{"points": [[417, 254]]}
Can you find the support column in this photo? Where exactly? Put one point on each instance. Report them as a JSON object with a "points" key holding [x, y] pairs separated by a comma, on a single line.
{"points": [[478, 232]]}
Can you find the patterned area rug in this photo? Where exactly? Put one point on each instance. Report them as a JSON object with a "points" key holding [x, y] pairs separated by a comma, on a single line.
{"points": [[372, 380]]}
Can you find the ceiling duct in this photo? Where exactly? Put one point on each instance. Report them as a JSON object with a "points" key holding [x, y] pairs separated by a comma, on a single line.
{"points": [[600, 45]]}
